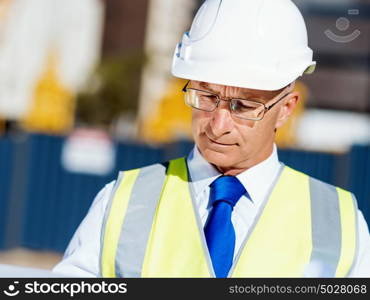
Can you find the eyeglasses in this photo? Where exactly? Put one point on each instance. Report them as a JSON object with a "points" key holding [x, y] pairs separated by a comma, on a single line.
{"points": [[247, 109]]}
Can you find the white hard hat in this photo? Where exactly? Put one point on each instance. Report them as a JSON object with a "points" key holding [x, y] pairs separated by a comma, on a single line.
{"points": [[256, 44]]}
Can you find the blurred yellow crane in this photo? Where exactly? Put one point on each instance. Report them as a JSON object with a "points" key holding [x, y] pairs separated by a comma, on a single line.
{"points": [[52, 109], [172, 118]]}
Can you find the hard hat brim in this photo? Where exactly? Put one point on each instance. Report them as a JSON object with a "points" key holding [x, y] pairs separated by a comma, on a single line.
{"points": [[237, 76]]}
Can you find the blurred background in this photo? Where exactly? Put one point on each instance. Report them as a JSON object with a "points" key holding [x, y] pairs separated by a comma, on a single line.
{"points": [[86, 91]]}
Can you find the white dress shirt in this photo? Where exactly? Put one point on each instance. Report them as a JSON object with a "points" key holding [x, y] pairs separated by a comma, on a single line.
{"points": [[81, 258]]}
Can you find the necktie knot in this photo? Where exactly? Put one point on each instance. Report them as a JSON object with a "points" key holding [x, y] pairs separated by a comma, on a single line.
{"points": [[227, 189]]}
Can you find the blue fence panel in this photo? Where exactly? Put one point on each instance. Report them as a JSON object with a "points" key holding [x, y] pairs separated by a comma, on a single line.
{"points": [[6, 158], [359, 179], [179, 149], [133, 155], [55, 200], [319, 165]]}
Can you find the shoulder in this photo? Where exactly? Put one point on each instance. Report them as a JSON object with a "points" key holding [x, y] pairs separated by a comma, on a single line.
{"points": [[153, 169], [148, 177], [321, 187]]}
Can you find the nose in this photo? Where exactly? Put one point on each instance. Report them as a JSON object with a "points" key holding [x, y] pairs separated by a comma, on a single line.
{"points": [[221, 122]]}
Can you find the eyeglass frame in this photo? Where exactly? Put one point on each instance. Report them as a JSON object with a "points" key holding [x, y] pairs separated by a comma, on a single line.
{"points": [[219, 98]]}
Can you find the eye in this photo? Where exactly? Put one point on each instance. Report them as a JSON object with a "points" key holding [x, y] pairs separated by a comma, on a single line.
{"points": [[240, 105], [207, 97]]}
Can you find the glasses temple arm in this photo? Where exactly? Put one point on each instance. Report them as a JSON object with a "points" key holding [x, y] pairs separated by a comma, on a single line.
{"points": [[186, 85]]}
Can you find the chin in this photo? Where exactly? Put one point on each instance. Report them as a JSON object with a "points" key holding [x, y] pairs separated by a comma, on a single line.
{"points": [[219, 159]]}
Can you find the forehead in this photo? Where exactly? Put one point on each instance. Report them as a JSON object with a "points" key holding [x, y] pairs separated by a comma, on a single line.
{"points": [[231, 91]]}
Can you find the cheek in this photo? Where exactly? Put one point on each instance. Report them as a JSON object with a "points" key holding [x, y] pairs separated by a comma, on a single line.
{"points": [[199, 121], [272, 117], [254, 133], [247, 130]]}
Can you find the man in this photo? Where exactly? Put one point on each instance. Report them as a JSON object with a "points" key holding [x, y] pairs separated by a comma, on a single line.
{"points": [[229, 209]]}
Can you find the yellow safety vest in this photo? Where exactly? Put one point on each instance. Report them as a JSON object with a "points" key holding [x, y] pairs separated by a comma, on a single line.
{"points": [[305, 228]]}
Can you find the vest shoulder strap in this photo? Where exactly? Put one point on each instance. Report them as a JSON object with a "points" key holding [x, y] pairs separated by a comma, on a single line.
{"points": [[334, 228], [134, 190]]}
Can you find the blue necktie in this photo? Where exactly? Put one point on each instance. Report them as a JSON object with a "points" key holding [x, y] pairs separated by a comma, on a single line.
{"points": [[219, 231]]}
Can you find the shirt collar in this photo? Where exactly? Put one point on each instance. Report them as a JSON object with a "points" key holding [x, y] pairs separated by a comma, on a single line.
{"points": [[256, 180]]}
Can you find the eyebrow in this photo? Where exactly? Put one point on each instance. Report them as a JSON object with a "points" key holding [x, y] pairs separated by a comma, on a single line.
{"points": [[246, 95], [206, 86]]}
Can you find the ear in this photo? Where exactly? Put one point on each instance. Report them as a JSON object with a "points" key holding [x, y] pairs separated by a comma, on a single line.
{"points": [[287, 108]]}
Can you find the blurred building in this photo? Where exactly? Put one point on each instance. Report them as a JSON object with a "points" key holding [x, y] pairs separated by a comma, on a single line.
{"points": [[167, 20], [45, 63], [124, 26], [48, 48], [110, 97], [338, 106]]}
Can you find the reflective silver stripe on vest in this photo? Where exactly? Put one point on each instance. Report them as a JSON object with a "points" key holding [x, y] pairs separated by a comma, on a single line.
{"points": [[354, 201], [326, 230], [105, 219], [138, 221]]}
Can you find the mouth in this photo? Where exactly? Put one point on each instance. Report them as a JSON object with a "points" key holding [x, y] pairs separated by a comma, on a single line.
{"points": [[221, 144]]}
